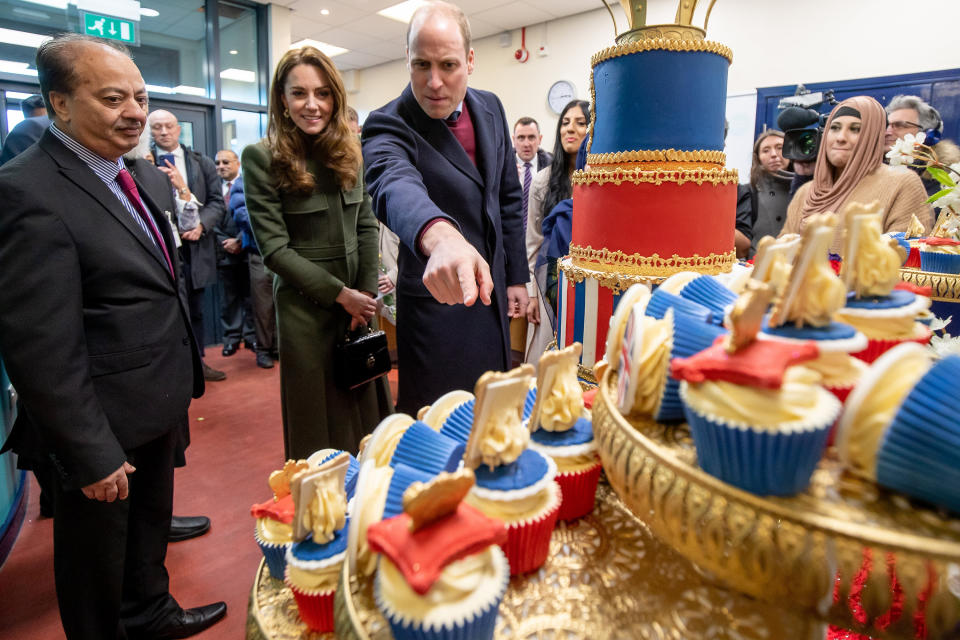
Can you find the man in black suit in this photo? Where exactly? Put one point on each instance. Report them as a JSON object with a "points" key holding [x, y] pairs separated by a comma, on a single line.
{"points": [[530, 157], [440, 169], [97, 342], [195, 180]]}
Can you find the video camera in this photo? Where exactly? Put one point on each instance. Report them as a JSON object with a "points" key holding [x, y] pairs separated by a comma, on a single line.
{"points": [[802, 124]]}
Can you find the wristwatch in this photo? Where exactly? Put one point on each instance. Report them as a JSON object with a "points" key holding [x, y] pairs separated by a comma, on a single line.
{"points": [[183, 191]]}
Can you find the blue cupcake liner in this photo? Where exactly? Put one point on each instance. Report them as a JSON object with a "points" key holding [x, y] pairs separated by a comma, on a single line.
{"points": [[706, 290], [939, 262], [690, 336], [403, 477], [276, 557], [761, 462], [353, 470], [660, 301], [528, 403], [919, 454], [459, 423], [423, 448]]}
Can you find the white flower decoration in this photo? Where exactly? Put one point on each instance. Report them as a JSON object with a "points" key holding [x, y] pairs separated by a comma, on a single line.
{"points": [[955, 171], [950, 199]]}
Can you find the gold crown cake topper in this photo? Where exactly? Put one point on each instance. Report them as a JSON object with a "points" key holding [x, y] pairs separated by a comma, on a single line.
{"points": [[681, 29]]}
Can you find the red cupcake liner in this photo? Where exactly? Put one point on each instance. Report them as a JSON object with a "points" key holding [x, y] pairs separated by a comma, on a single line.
{"points": [[578, 492], [913, 258], [316, 609], [528, 543], [876, 348]]}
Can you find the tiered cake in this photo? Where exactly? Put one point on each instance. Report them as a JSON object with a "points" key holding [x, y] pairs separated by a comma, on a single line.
{"points": [[655, 198]]}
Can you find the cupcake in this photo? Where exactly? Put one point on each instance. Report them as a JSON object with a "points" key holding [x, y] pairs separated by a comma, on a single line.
{"points": [[436, 414], [702, 289], [561, 431], [513, 483], [618, 321], [317, 458], [380, 445], [366, 508], [274, 526], [459, 423], [661, 300], [871, 270], [940, 255], [425, 449], [759, 421], [914, 234], [320, 531], [441, 574], [900, 428]]}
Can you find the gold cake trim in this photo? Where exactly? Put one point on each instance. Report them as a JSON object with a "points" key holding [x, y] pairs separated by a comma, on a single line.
{"points": [[635, 264], [661, 44], [616, 282], [658, 155], [655, 176]]}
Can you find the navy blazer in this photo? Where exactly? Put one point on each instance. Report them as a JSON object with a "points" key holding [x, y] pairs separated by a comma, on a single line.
{"points": [[417, 171], [27, 132]]}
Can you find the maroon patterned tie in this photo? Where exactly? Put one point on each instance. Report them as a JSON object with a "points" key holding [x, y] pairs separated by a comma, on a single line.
{"points": [[129, 187]]}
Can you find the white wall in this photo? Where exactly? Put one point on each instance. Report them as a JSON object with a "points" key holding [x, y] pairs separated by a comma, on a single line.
{"points": [[774, 42]]}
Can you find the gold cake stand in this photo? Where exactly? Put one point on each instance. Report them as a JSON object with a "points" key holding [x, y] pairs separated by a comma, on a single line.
{"points": [[945, 286], [845, 550], [607, 577]]}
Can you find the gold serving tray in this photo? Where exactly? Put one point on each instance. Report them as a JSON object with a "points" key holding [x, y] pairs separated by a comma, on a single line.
{"points": [[801, 552], [945, 286], [607, 577]]}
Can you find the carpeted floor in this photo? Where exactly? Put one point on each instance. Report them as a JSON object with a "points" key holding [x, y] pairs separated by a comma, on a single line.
{"points": [[236, 442]]}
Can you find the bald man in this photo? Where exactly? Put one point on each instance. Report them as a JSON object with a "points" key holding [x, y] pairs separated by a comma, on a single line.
{"points": [[194, 178]]}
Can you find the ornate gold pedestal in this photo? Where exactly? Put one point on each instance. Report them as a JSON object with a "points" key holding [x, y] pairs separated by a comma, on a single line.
{"points": [[607, 578], [803, 552]]}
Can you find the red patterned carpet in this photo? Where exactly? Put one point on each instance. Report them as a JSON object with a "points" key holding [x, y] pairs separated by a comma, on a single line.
{"points": [[236, 442]]}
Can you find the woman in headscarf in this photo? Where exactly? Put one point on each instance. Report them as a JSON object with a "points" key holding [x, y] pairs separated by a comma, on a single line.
{"points": [[850, 169], [549, 188]]}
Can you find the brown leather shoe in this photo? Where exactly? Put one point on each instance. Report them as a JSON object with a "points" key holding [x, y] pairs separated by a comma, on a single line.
{"points": [[211, 374]]}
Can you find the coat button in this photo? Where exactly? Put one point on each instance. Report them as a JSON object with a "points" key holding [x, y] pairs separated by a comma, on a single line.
{"points": [[779, 218]]}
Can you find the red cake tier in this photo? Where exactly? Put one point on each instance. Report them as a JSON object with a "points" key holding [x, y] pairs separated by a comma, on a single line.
{"points": [[654, 222]]}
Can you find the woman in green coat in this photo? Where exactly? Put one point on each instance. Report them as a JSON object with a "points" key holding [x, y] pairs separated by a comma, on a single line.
{"points": [[315, 227]]}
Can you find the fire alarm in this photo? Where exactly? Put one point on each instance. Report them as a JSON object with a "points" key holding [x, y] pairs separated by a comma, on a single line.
{"points": [[522, 55]]}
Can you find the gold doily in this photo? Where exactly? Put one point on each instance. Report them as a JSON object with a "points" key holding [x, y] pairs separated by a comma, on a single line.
{"points": [[794, 551], [658, 155], [661, 44], [655, 176], [616, 282], [623, 264]]}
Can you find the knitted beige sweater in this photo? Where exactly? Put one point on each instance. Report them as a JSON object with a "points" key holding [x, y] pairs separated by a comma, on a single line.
{"points": [[899, 193]]}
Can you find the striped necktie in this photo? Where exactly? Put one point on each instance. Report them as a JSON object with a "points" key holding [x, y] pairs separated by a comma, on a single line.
{"points": [[129, 187], [527, 179]]}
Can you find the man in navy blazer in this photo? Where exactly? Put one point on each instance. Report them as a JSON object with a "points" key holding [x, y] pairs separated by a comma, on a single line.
{"points": [[96, 338], [440, 168]]}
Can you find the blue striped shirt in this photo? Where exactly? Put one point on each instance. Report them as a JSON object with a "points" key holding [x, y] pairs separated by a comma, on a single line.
{"points": [[107, 171]]}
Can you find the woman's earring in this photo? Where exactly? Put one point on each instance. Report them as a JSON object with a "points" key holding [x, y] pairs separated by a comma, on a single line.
{"points": [[286, 113]]}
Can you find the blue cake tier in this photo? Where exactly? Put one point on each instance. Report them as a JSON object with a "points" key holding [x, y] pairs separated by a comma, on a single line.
{"points": [[657, 99]]}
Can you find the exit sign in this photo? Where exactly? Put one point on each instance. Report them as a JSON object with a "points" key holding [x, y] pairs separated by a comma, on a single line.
{"points": [[109, 28]]}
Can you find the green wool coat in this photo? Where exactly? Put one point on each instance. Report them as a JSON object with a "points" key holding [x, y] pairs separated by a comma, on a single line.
{"points": [[315, 245]]}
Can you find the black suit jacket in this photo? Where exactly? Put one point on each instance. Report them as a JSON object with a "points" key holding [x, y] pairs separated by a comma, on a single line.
{"points": [[26, 133], [544, 158], [204, 183], [93, 332], [417, 171]]}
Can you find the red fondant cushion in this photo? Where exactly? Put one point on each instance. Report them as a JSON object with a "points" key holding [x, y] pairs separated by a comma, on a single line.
{"points": [[940, 242], [588, 397], [909, 286], [281, 509], [760, 364], [422, 555]]}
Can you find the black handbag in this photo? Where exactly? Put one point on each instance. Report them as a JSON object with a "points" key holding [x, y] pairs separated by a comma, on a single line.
{"points": [[361, 357]]}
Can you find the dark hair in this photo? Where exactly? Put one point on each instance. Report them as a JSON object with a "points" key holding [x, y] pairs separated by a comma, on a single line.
{"points": [[524, 121], [31, 104], [559, 188], [352, 114], [452, 11], [756, 167], [336, 147], [55, 63]]}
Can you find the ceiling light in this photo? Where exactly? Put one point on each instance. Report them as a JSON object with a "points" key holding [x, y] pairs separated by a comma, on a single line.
{"points": [[9, 66], [23, 38], [16, 95], [402, 12], [149, 13], [324, 12], [27, 13], [153, 88], [330, 49], [233, 52], [240, 75], [56, 4], [193, 91]]}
